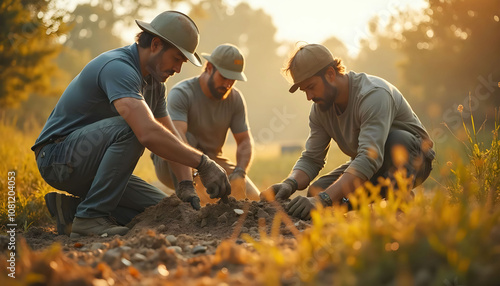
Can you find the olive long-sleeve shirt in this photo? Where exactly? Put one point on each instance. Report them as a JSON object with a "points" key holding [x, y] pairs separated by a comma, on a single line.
{"points": [[375, 107]]}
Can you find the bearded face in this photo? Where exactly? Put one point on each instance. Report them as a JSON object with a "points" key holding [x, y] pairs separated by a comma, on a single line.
{"points": [[218, 92], [330, 93]]}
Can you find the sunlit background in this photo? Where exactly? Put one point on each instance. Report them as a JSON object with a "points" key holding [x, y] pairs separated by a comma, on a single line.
{"points": [[438, 53]]}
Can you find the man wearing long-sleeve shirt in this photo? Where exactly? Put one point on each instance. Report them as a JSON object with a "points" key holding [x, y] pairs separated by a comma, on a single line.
{"points": [[368, 118]]}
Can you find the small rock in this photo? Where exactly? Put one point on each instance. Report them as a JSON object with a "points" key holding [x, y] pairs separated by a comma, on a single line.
{"points": [[126, 262], [171, 238], [96, 252], [199, 249], [162, 228], [239, 211], [203, 222], [124, 248], [97, 245], [222, 219], [244, 229], [262, 213], [104, 234], [188, 248], [138, 257], [112, 256], [176, 248]]}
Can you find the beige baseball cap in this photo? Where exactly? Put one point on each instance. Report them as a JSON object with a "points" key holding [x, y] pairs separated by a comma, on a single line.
{"points": [[229, 61], [177, 29], [307, 61]]}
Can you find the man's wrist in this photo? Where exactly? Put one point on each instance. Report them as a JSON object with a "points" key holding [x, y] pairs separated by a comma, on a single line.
{"points": [[186, 183], [239, 170], [202, 160], [325, 199], [293, 183]]}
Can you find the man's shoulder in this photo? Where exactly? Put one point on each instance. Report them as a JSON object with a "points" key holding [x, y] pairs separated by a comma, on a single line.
{"points": [[120, 59], [363, 84], [186, 86]]}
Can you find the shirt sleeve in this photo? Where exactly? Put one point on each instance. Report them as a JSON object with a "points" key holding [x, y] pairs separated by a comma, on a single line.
{"points": [[312, 159], [239, 120], [376, 111], [178, 105], [118, 80]]}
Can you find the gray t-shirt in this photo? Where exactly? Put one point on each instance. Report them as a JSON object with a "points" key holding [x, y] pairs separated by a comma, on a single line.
{"points": [[208, 119], [88, 98], [375, 108]]}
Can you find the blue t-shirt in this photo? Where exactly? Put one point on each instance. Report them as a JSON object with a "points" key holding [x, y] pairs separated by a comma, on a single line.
{"points": [[88, 98]]}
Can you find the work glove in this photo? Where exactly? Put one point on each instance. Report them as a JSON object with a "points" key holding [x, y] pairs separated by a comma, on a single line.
{"points": [[214, 178], [301, 207], [280, 191], [238, 173], [186, 192]]}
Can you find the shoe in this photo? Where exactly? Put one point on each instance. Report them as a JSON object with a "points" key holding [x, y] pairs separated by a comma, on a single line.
{"points": [[98, 226], [63, 208]]}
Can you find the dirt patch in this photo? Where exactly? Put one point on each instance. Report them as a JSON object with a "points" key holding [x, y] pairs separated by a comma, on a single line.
{"points": [[170, 242]]}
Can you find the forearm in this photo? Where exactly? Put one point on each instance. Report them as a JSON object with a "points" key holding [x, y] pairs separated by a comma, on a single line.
{"points": [[345, 185], [166, 145], [301, 177], [244, 154]]}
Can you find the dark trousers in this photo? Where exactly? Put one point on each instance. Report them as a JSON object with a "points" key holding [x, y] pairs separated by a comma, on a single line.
{"points": [[418, 165]]}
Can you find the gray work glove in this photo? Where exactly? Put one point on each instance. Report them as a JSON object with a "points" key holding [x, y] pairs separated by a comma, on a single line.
{"points": [[186, 192], [301, 207], [280, 191], [238, 173], [214, 178]]}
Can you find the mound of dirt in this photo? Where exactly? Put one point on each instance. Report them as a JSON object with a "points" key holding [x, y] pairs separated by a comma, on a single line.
{"points": [[219, 220], [168, 242]]}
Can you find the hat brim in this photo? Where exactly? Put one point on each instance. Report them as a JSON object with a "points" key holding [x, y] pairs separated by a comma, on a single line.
{"points": [[234, 75], [192, 57]]}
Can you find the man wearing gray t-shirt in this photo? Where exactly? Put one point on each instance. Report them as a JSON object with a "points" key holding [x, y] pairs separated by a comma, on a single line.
{"points": [[203, 109], [366, 116], [113, 109]]}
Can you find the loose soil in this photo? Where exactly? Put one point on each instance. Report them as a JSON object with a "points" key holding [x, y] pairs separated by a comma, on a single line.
{"points": [[168, 244]]}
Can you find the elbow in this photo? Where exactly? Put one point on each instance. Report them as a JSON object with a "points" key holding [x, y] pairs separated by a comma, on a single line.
{"points": [[145, 137]]}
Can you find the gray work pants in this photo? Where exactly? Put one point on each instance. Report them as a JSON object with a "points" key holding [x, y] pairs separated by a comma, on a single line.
{"points": [[96, 163], [418, 165]]}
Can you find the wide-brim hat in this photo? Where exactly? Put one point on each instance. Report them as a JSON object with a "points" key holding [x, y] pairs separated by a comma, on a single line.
{"points": [[229, 61], [177, 29]]}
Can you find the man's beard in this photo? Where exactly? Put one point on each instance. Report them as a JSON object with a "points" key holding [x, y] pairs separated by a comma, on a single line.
{"points": [[217, 93], [329, 96], [153, 67]]}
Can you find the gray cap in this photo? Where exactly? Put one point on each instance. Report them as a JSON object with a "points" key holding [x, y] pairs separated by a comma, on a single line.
{"points": [[307, 61], [229, 61], [177, 29]]}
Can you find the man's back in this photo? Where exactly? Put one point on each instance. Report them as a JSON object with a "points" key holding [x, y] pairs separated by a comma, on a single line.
{"points": [[87, 99]]}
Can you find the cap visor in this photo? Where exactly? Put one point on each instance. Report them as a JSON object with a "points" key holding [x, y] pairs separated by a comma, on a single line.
{"points": [[294, 88], [232, 74]]}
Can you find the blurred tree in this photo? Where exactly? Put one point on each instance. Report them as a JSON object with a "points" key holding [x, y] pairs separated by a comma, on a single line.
{"points": [[338, 49], [453, 50], [379, 55], [92, 29], [274, 114], [28, 48]]}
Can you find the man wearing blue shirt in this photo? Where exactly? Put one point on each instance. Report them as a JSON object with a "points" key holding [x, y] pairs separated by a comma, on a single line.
{"points": [[105, 118]]}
